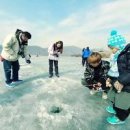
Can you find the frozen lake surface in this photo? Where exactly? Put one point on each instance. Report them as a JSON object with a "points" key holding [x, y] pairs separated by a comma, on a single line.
{"points": [[40, 103]]}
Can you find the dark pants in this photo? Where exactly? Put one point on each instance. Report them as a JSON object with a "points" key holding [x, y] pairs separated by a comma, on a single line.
{"points": [[121, 114], [84, 61], [51, 67], [11, 66]]}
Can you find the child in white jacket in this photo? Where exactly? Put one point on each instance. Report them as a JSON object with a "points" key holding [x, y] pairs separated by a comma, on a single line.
{"points": [[54, 51]]}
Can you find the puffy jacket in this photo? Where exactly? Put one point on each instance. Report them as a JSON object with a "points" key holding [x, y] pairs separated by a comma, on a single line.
{"points": [[53, 54], [123, 63], [86, 53], [89, 72], [11, 48]]}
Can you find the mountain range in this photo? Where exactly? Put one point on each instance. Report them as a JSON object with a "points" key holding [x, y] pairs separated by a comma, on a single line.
{"points": [[39, 51]]}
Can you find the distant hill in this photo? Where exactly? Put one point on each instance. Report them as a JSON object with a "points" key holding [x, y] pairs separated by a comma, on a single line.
{"points": [[68, 51], [72, 50], [36, 50]]}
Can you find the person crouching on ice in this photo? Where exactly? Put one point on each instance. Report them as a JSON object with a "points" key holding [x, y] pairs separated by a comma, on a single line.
{"points": [[14, 46], [95, 74], [54, 51]]}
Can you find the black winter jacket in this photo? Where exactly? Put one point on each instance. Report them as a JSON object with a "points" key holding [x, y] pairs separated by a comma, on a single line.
{"points": [[123, 63], [103, 70]]}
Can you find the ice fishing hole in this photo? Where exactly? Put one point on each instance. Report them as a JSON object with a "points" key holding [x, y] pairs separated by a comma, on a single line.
{"points": [[55, 109]]}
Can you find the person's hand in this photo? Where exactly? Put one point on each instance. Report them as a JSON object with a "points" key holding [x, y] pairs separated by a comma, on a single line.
{"points": [[55, 52], [99, 84], [56, 55], [28, 61], [108, 82], [96, 87], [118, 86], [1, 58]]}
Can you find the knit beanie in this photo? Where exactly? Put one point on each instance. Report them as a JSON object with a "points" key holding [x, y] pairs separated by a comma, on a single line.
{"points": [[116, 40]]}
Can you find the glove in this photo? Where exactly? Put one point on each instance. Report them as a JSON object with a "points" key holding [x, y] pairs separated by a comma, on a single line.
{"points": [[28, 61], [108, 83], [1, 58], [56, 55], [118, 86]]}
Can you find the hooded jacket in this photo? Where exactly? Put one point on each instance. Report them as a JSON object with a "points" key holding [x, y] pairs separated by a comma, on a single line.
{"points": [[11, 47], [53, 54]]}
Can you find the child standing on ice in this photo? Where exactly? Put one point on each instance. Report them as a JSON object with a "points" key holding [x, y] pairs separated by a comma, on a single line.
{"points": [[119, 79], [54, 51]]}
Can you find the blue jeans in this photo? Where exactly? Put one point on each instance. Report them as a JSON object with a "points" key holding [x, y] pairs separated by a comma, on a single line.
{"points": [[11, 69]]}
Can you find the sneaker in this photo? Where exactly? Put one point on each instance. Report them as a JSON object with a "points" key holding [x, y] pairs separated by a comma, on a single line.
{"points": [[50, 76], [92, 92], [114, 120], [110, 110], [57, 75], [10, 85], [104, 95], [16, 82]]}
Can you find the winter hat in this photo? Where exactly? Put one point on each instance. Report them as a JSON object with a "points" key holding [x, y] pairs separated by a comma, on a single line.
{"points": [[116, 40]]}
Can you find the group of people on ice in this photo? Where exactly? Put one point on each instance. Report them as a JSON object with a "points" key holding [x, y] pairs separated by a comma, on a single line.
{"points": [[14, 46], [113, 78]]}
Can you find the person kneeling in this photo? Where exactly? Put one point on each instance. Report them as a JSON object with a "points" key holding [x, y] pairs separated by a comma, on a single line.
{"points": [[95, 74]]}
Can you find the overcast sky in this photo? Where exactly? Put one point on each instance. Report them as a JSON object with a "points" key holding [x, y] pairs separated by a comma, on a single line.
{"points": [[77, 22]]}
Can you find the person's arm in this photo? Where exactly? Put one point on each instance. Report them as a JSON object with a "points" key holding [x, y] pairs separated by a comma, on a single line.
{"points": [[105, 70], [27, 55], [51, 50], [103, 77], [88, 76], [124, 71], [83, 54], [7, 45], [124, 78], [1, 58]]}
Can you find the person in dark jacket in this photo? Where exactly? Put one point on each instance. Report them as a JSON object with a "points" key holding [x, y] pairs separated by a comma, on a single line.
{"points": [[85, 54], [119, 79], [82, 56], [95, 74]]}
